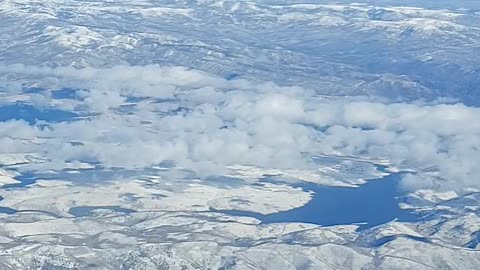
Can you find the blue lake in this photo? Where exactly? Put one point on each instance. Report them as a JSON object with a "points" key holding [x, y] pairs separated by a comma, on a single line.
{"points": [[368, 205], [30, 114], [27, 178], [7, 210]]}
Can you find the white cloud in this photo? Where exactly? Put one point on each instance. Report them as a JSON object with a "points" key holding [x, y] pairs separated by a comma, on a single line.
{"points": [[206, 123]]}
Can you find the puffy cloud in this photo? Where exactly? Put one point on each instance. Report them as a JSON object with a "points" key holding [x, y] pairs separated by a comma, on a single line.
{"points": [[140, 116]]}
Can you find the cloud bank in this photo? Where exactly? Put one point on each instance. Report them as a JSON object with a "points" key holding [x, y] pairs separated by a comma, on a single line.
{"points": [[136, 117]]}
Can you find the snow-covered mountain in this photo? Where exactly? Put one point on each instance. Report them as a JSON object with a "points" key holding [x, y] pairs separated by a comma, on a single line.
{"points": [[402, 52]]}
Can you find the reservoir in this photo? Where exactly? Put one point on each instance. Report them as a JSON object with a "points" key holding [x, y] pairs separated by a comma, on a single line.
{"points": [[369, 205]]}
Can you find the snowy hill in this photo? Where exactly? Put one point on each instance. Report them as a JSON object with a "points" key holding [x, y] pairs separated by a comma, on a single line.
{"points": [[394, 51]]}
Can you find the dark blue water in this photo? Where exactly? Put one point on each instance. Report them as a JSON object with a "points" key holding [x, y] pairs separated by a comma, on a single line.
{"points": [[66, 93], [26, 178], [369, 205], [30, 114], [7, 210], [86, 176], [475, 241], [232, 76]]}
